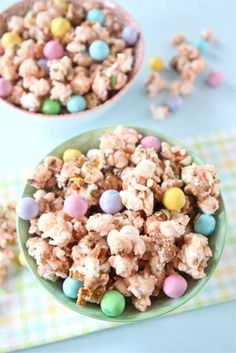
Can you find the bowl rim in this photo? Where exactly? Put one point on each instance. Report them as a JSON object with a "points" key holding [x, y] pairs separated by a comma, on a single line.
{"points": [[136, 70], [152, 313]]}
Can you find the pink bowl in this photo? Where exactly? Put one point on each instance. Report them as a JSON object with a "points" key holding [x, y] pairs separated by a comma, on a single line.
{"points": [[124, 17]]}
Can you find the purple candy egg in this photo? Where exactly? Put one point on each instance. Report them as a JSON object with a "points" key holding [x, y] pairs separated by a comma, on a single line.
{"points": [[53, 50], [5, 88], [43, 64], [174, 103], [175, 286], [110, 202], [151, 142], [215, 78], [27, 208], [130, 35], [75, 206]]}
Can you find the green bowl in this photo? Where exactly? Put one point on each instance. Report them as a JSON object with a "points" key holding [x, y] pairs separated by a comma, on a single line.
{"points": [[159, 307]]}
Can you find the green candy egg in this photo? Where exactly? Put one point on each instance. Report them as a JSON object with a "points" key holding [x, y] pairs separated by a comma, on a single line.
{"points": [[51, 107], [113, 303]]}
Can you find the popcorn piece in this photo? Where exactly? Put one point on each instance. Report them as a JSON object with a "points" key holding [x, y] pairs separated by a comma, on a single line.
{"points": [[30, 101], [40, 87], [81, 84], [100, 86], [7, 224], [155, 85], [16, 24], [29, 69], [207, 35], [100, 223], [124, 265], [159, 112], [6, 257], [40, 177], [178, 39], [61, 91], [61, 69]]}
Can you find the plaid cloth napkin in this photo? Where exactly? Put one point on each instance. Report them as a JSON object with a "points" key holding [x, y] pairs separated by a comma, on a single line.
{"points": [[29, 316]]}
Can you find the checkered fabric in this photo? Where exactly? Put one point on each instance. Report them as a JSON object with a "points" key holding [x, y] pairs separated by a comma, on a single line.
{"points": [[29, 316]]}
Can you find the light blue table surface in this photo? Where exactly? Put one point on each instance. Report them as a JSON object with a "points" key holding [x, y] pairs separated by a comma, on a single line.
{"points": [[25, 140]]}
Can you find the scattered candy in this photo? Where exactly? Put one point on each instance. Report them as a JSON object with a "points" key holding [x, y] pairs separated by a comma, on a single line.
{"points": [[130, 35], [175, 286], [174, 103], [10, 39], [76, 104], [174, 199], [70, 287], [71, 154], [215, 78], [205, 224], [75, 206], [21, 260], [113, 303], [60, 26], [51, 107], [207, 35], [43, 63], [110, 202], [27, 208], [159, 112], [156, 63], [202, 45], [99, 50], [5, 88], [151, 142], [53, 50], [95, 15]]}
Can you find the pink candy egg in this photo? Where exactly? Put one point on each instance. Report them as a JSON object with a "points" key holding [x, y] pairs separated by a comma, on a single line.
{"points": [[75, 206], [5, 88], [151, 142], [215, 78], [175, 286], [53, 50]]}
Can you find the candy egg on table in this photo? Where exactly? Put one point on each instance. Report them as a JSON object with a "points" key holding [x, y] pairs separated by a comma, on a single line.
{"points": [[21, 260], [76, 104], [99, 50], [110, 201], [201, 44], [9, 39], [175, 286], [205, 224], [173, 199], [5, 88], [70, 287], [95, 15], [156, 63], [112, 303], [27, 208], [174, 102], [215, 78], [130, 35], [51, 106], [60, 26], [53, 50], [71, 153], [75, 206], [43, 63], [151, 142]]}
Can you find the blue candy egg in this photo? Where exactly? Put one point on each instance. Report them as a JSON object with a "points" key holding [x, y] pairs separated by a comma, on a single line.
{"points": [[110, 202], [76, 104], [130, 35], [99, 50], [201, 44], [70, 287], [205, 224], [174, 103], [43, 63], [95, 15], [27, 208]]}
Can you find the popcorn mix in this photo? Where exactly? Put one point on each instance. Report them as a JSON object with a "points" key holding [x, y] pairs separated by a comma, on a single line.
{"points": [[65, 57], [138, 235]]}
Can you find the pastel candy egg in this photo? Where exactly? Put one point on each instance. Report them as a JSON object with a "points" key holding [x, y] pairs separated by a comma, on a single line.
{"points": [[75, 206], [156, 63], [175, 286], [43, 63], [53, 50], [99, 50], [110, 202], [130, 35], [70, 287], [174, 103], [112, 303], [71, 154], [205, 224], [215, 78], [5, 88], [174, 199], [9, 39], [95, 15], [76, 104], [51, 107], [201, 44], [151, 142], [60, 26], [21, 260], [27, 208]]}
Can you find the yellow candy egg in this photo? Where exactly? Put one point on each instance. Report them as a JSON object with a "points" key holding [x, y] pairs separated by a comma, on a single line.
{"points": [[21, 260], [9, 39], [71, 154], [60, 26], [61, 3], [173, 199], [156, 63]]}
